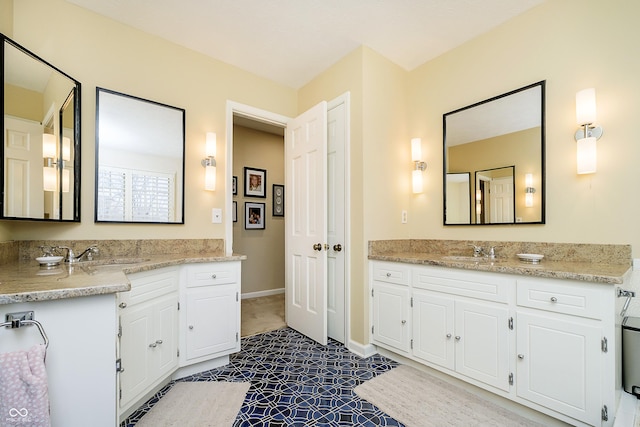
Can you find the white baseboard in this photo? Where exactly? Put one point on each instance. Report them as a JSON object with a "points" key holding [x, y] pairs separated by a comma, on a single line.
{"points": [[263, 293], [361, 350]]}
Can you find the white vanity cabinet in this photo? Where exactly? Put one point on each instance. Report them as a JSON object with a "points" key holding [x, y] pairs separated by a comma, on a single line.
{"points": [[564, 331], [175, 321], [391, 322], [210, 324], [548, 344], [148, 333], [461, 322]]}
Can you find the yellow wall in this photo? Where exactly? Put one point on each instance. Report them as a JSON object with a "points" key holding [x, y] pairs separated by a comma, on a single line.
{"points": [[263, 270], [549, 42], [100, 52]]}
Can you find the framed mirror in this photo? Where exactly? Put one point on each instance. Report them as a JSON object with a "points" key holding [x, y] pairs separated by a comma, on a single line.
{"points": [[500, 143], [40, 177], [139, 160]]}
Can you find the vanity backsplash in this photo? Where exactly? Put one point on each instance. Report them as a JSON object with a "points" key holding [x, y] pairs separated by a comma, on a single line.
{"points": [[26, 250], [567, 252]]}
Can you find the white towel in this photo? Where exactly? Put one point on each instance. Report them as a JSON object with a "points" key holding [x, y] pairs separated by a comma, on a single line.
{"points": [[24, 399]]}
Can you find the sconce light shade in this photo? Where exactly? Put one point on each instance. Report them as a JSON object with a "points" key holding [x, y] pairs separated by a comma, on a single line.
{"points": [[209, 162], [49, 146], [587, 157], [416, 149], [211, 144], [49, 179], [210, 177], [416, 178], [65, 180], [66, 149], [528, 190], [586, 106]]}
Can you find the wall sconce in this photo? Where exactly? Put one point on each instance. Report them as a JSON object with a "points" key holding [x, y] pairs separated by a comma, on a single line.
{"points": [[589, 133], [478, 202], [528, 190], [49, 153], [420, 166], [209, 162]]}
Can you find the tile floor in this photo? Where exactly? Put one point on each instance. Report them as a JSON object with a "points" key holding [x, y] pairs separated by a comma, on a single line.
{"points": [[296, 382]]}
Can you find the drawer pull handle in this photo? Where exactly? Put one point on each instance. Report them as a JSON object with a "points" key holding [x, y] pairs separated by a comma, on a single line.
{"points": [[521, 356], [153, 345], [404, 321], [458, 337], [213, 276], [388, 274], [158, 341], [317, 247], [190, 326], [122, 305], [448, 336], [554, 299]]}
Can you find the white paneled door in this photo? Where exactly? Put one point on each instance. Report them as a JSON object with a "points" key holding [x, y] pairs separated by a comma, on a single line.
{"points": [[306, 228]]}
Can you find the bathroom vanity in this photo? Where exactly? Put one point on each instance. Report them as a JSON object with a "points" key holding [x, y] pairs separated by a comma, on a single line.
{"points": [[545, 336], [114, 327]]}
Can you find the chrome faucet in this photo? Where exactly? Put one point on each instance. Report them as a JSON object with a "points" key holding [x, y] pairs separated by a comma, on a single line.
{"points": [[72, 258], [477, 251]]}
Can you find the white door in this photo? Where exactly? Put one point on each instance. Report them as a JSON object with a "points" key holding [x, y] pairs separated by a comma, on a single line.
{"points": [[336, 230], [501, 197], [23, 168], [306, 230]]}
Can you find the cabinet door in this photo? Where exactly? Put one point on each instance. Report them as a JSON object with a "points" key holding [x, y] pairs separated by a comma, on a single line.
{"points": [[559, 365], [433, 328], [137, 333], [391, 320], [212, 325], [165, 335], [482, 342]]}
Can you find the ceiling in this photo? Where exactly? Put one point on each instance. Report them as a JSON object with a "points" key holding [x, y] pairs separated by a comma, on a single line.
{"points": [[293, 41]]}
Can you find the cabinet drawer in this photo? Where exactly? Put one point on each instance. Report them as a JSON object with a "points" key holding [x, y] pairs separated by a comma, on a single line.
{"points": [[219, 273], [577, 299], [151, 284], [482, 285], [390, 272]]}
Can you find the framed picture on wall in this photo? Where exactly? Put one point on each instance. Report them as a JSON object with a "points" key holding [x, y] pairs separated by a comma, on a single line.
{"points": [[255, 182], [253, 216], [278, 200], [234, 211], [234, 185]]}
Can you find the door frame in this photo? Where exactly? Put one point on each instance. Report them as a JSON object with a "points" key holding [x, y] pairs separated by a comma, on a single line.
{"points": [[257, 114]]}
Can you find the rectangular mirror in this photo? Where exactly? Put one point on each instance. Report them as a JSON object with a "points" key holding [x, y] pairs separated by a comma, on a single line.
{"points": [[41, 144], [501, 142], [139, 160]]}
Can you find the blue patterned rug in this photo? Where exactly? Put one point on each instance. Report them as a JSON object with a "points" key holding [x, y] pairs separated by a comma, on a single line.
{"points": [[296, 382]]}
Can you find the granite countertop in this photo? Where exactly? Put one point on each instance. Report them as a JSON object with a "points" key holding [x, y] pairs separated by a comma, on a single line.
{"points": [[606, 273], [27, 281]]}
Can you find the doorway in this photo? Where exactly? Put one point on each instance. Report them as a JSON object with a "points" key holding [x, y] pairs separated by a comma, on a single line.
{"points": [[338, 297]]}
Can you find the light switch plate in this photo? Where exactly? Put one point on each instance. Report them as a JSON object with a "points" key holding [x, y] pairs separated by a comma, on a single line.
{"points": [[404, 217], [216, 216]]}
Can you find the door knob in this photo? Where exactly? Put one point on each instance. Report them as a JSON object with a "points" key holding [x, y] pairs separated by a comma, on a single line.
{"points": [[337, 247], [317, 247]]}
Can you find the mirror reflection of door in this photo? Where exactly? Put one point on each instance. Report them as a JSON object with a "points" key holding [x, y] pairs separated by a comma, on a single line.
{"points": [[495, 196]]}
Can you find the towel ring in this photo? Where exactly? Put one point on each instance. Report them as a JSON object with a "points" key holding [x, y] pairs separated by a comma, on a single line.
{"points": [[17, 323]]}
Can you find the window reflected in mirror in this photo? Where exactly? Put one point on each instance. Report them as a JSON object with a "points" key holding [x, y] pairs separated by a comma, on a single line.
{"points": [[140, 160], [500, 142]]}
